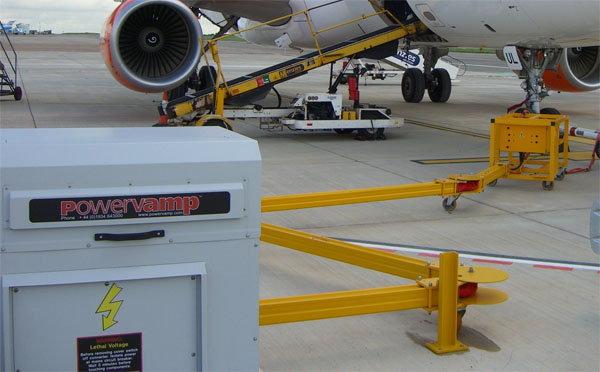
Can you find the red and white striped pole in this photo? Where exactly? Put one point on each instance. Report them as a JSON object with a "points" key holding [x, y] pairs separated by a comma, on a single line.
{"points": [[589, 134], [584, 133]]}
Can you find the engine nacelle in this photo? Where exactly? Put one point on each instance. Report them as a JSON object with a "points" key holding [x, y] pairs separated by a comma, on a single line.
{"points": [[151, 45], [578, 71]]}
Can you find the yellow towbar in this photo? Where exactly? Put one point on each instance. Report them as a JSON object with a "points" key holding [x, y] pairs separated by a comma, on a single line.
{"points": [[454, 185]]}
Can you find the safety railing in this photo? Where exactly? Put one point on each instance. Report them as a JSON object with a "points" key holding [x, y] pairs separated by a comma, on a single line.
{"points": [[212, 43], [12, 65]]}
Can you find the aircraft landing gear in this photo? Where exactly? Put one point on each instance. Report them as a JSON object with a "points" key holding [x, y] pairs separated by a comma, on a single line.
{"points": [[413, 85], [440, 85], [534, 62], [436, 81]]}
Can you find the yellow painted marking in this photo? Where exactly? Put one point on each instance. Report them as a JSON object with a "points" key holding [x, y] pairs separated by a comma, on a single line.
{"points": [[112, 307], [439, 127], [473, 134]]}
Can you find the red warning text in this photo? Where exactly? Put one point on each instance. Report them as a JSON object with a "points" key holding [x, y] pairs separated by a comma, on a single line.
{"points": [[185, 204]]}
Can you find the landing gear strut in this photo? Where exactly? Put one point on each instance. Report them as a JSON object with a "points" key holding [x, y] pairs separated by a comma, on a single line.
{"points": [[534, 62]]}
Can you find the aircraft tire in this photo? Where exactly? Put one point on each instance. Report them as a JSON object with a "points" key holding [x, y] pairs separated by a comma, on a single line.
{"points": [[207, 77], [553, 111], [441, 85], [413, 85], [549, 111]]}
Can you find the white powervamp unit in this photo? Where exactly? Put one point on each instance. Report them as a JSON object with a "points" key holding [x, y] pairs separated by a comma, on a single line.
{"points": [[129, 249]]}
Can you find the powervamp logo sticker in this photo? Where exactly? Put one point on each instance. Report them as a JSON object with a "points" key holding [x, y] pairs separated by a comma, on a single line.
{"points": [[127, 207]]}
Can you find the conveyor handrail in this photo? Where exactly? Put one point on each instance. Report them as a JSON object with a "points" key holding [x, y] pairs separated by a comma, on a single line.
{"points": [[294, 67]]}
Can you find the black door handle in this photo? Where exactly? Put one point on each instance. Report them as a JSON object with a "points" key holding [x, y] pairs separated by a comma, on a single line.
{"points": [[131, 236]]}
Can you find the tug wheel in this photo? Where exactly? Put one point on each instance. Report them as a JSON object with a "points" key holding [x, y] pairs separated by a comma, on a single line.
{"points": [[18, 94], [371, 133], [448, 207]]}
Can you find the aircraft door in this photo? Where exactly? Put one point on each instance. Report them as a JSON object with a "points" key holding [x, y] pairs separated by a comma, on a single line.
{"points": [[468, 22]]}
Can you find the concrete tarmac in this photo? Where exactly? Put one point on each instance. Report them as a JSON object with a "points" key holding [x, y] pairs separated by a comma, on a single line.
{"points": [[551, 320]]}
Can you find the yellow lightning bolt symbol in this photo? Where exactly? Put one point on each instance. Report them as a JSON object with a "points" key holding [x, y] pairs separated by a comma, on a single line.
{"points": [[112, 307]]}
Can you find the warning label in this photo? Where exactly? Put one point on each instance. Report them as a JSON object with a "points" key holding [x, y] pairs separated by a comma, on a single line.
{"points": [[110, 353], [125, 207]]}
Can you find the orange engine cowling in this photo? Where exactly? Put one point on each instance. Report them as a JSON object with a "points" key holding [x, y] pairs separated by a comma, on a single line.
{"points": [[578, 71], [151, 45]]}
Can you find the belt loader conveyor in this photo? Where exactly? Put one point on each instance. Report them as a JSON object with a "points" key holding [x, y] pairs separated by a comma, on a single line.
{"points": [[207, 107]]}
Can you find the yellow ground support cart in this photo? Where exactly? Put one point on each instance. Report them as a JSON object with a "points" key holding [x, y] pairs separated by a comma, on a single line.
{"points": [[534, 144]]}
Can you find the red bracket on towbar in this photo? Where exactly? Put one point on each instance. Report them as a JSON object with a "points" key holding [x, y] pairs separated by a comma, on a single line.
{"points": [[467, 186]]}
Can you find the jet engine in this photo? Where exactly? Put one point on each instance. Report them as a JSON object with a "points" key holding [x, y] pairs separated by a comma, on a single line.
{"points": [[151, 45], [578, 71]]}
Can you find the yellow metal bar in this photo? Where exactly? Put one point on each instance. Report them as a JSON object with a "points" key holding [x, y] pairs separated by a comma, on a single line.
{"points": [[366, 195], [322, 59], [259, 25], [447, 306], [494, 172], [314, 35], [369, 258], [530, 134], [339, 304], [303, 66], [220, 101], [214, 49], [382, 9], [442, 187]]}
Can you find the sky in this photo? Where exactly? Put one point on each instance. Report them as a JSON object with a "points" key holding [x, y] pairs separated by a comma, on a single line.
{"points": [[60, 16]]}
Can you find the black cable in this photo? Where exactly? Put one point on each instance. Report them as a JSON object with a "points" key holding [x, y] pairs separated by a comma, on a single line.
{"points": [[278, 97], [522, 158]]}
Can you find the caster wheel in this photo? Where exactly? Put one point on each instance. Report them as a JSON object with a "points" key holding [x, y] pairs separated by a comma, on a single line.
{"points": [[561, 175], [493, 183], [547, 185], [449, 207]]}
